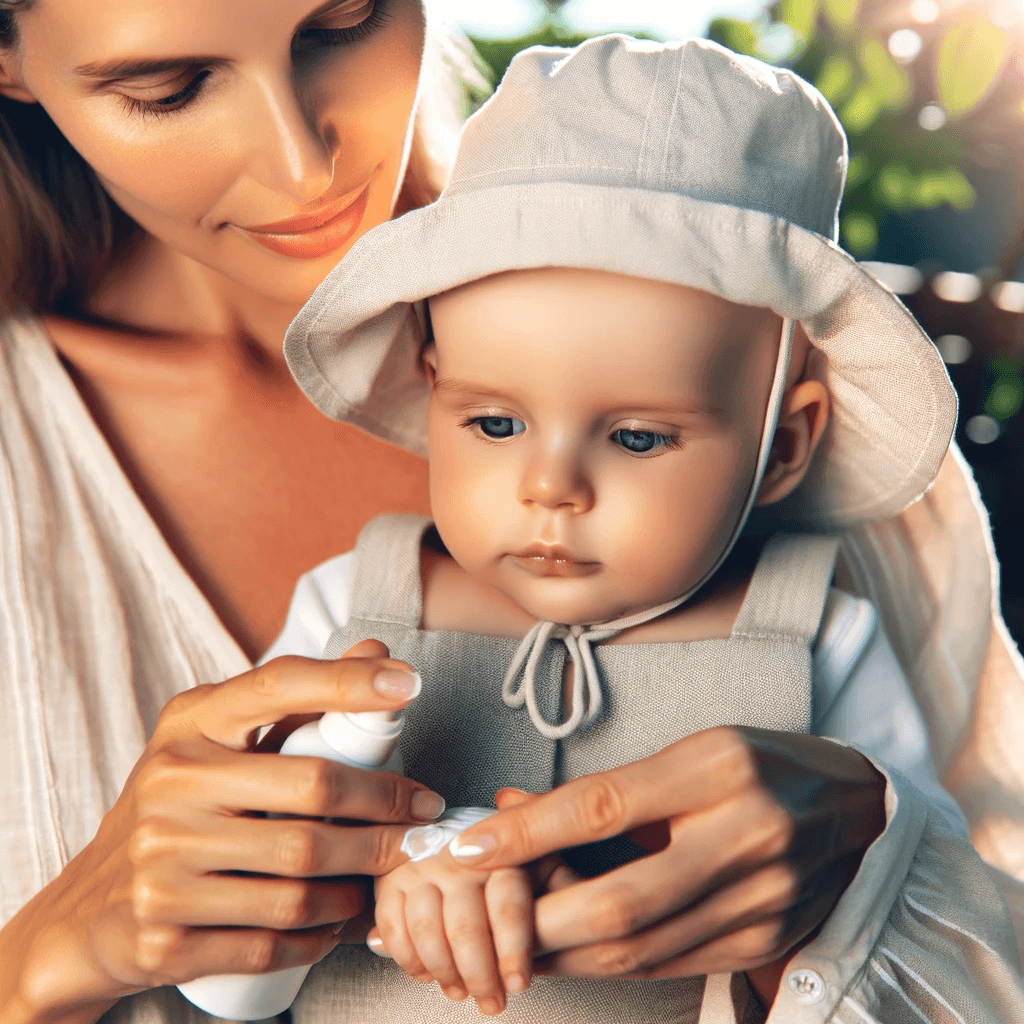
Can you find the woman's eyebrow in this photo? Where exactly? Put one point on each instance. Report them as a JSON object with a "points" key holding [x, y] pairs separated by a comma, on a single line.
{"points": [[128, 67]]}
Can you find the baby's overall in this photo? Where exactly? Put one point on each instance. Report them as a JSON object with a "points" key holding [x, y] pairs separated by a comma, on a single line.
{"points": [[464, 742]]}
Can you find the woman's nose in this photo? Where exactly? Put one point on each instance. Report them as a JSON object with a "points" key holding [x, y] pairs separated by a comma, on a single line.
{"points": [[557, 481], [291, 153]]}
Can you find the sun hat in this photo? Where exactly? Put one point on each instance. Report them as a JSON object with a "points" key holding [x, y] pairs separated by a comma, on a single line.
{"points": [[681, 162]]}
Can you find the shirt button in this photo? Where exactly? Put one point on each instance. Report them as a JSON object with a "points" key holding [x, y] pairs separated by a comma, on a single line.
{"points": [[807, 986]]}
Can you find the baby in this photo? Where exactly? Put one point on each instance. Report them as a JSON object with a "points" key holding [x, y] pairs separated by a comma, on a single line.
{"points": [[656, 392]]}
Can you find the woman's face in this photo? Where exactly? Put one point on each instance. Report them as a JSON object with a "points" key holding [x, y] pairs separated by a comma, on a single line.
{"points": [[258, 137]]}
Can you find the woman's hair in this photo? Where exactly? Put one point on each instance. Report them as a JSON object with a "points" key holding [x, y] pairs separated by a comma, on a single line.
{"points": [[61, 234]]}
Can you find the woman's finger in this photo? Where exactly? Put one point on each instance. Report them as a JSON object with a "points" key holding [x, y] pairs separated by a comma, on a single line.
{"points": [[766, 895], [736, 837], [291, 848], [705, 768], [232, 712], [169, 955], [284, 904], [197, 772]]}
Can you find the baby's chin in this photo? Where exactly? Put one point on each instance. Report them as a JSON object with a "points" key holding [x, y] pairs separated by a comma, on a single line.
{"points": [[576, 610]]}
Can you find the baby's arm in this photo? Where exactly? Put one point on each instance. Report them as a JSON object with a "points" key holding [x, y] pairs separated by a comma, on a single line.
{"points": [[471, 931]]}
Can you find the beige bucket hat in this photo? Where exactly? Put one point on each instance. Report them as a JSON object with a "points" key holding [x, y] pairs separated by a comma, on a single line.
{"points": [[681, 162]]}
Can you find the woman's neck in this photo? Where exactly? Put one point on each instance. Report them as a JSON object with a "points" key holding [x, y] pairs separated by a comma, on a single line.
{"points": [[162, 292]]}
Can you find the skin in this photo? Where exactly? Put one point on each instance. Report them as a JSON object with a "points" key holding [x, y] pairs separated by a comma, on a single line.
{"points": [[178, 356], [553, 431]]}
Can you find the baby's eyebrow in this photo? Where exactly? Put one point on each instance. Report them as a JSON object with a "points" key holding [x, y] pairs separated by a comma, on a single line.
{"points": [[450, 386]]}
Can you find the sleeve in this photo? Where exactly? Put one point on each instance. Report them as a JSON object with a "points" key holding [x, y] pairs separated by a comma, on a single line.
{"points": [[922, 934], [320, 605], [861, 696]]}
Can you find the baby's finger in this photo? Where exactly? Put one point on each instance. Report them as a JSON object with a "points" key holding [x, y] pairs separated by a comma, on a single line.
{"points": [[394, 936], [425, 923], [469, 937], [509, 899]]}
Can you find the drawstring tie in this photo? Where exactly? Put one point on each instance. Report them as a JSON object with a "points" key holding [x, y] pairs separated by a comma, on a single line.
{"points": [[578, 641]]}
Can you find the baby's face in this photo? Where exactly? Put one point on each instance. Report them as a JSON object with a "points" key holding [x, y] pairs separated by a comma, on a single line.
{"points": [[593, 437]]}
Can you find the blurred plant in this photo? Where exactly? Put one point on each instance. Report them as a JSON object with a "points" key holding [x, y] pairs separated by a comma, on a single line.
{"points": [[921, 88]]}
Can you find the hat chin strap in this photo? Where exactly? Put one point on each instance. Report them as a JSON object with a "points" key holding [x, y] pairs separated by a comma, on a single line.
{"points": [[579, 639]]}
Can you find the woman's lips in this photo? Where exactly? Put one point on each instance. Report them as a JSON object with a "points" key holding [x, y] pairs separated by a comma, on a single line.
{"points": [[317, 234], [541, 560]]}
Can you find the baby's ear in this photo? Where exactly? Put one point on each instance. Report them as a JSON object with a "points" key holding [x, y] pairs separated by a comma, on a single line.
{"points": [[428, 362], [802, 420]]}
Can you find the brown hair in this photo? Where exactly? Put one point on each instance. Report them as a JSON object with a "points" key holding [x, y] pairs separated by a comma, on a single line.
{"points": [[59, 230], [60, 233]]}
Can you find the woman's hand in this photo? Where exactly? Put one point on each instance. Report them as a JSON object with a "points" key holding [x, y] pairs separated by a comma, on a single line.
{"points": [[180, 881], [765, 830]]}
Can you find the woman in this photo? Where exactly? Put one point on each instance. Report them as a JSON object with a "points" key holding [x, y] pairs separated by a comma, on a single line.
{"points": [[158, 459]]}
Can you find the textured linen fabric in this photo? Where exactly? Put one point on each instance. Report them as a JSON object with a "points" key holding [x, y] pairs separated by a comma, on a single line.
{"points": [[922, 900]]}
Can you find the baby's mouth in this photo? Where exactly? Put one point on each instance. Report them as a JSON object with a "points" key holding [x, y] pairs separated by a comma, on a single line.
{"points": [[552, 560]]}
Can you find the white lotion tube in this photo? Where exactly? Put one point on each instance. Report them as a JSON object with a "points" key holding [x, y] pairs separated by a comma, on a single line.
{"points": [[368, 740]]}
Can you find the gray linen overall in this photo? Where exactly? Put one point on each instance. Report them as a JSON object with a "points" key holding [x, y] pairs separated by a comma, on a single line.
{"points": [[463, 741]]}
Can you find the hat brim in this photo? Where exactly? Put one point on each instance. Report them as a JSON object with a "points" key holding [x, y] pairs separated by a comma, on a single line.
{"points": [[353, 348]]}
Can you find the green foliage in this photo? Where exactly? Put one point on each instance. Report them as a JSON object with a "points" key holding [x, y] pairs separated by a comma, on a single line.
{"points": [[800, 15], [842, 13], [737, 35], [971, 57], [498, 53]]}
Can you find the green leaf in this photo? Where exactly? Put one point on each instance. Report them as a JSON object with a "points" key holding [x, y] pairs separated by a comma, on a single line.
{"points": [[835, 78], [971, 55], [737, 35], [843, 13], [860, 111], [889, 81], [860, 232], [800, 15]]}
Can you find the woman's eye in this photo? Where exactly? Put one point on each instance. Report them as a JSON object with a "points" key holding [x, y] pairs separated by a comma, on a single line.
{"points": [[172, 101], [346, 23], [642, 442], [498, 427]]}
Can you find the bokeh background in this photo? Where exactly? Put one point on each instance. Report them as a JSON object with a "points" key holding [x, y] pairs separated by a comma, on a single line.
{"points": [[931, 94]]}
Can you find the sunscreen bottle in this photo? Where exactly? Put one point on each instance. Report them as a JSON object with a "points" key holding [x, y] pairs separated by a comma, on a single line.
{"points": [[366, 740]]}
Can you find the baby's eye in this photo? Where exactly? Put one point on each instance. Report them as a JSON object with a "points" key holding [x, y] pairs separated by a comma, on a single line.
{"points": [[642, 442], [498, 427]]}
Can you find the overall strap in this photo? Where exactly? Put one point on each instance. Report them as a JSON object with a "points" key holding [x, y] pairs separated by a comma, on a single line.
{"points": [[787, 593], [387, 586]]}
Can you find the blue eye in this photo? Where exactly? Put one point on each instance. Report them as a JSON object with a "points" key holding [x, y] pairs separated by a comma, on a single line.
{"points": [[498, 427], [642, 442]]}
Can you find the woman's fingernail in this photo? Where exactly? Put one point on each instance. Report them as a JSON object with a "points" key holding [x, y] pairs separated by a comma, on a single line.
{"points": [[396, 682], [426, 805], [376, 945], [462, 848], [515, 983], [455, 993], [490, 1007], [337, 928]]}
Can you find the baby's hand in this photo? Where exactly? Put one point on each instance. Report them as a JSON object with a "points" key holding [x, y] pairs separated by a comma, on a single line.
{"points": [[471, 931]]}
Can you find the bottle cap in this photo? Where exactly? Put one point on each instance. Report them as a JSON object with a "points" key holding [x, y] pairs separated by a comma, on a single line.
{"points": [[366, 738]]}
